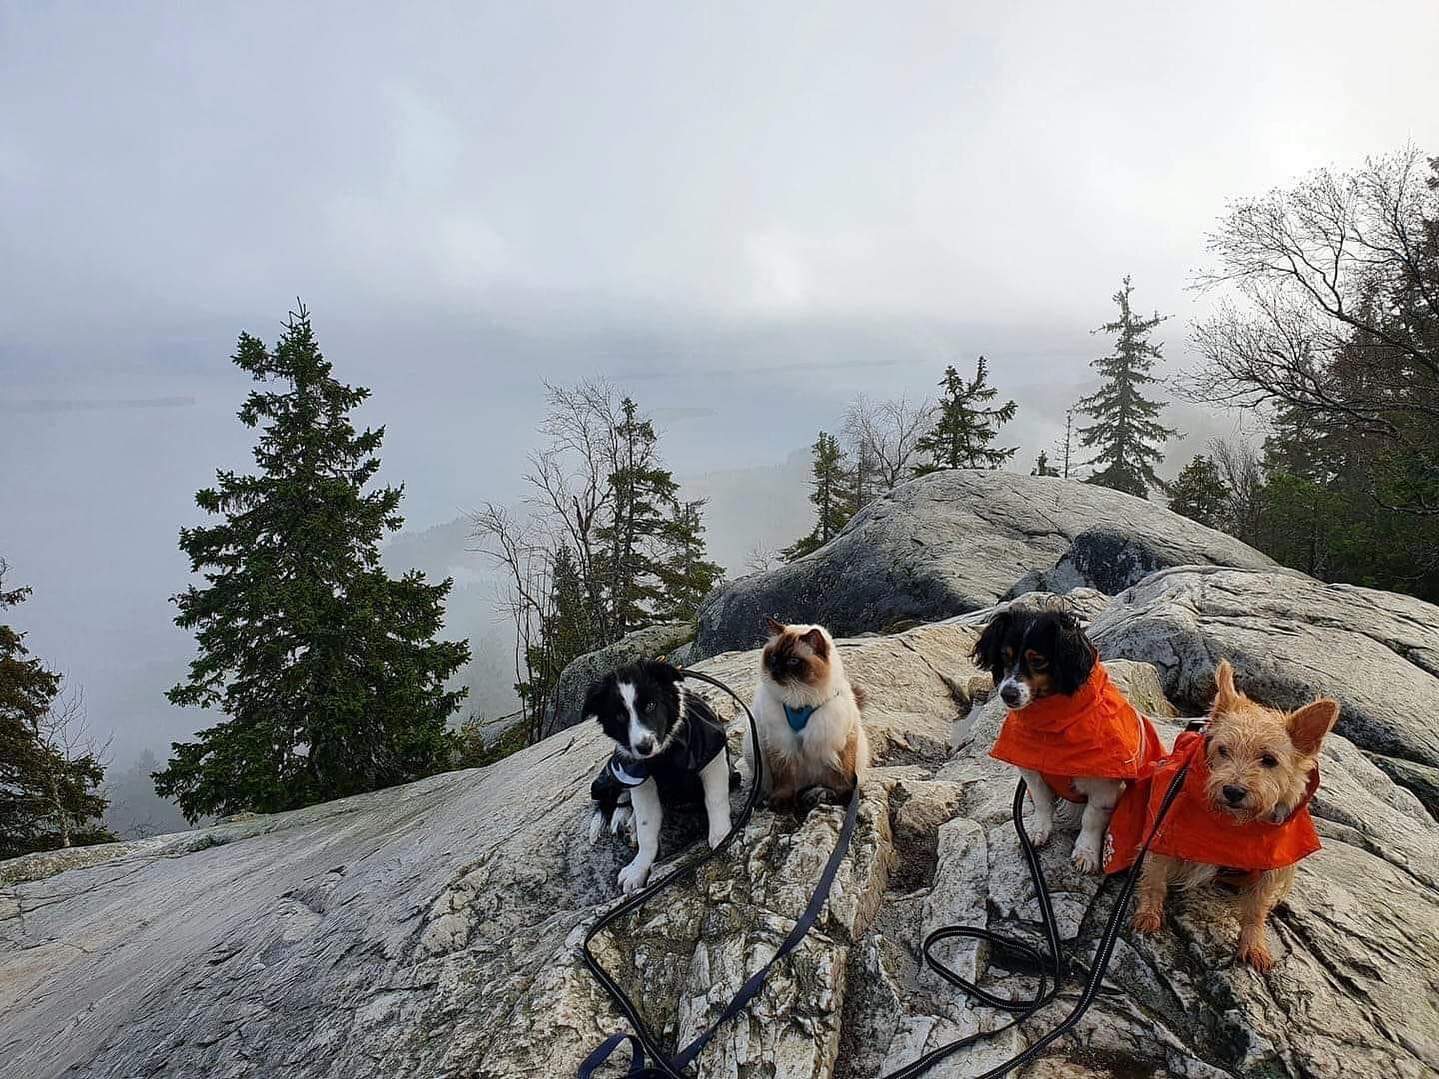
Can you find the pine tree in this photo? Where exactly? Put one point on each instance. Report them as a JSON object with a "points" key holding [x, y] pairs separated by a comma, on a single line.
{"points": [[832, 495], [635, 535], [1126, 428], [1200, 493], [1065, 445], [327, 669], [962, 435], [864, 476], [570, 629], [567, 631], [49, 796], [686, 575]]}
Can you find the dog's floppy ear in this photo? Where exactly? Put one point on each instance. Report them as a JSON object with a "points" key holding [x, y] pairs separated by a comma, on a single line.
{"points": [[815, 639], [661, 671], [595, 699], [773, 626], [988, 650], [1309, 725], [1225, 695], [1074, 656]]}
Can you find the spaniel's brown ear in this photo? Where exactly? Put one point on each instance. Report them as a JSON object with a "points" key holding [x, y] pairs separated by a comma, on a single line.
{"points": [[1309, 725], [1225, 695], [815, 639], [775, 627]]}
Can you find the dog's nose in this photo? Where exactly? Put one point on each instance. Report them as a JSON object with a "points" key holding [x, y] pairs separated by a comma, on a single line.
{"points": [[645, 746], [1010, 695], [1234, 795]]}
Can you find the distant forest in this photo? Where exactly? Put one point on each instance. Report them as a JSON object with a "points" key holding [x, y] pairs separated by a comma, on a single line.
{"points": [[1325, 325]]}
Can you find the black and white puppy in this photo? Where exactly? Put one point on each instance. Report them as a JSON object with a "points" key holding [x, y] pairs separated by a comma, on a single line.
{"points": [[670, 751]]}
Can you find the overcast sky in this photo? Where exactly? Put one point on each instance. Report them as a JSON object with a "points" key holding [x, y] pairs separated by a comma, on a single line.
{"points": [[746, 213]]}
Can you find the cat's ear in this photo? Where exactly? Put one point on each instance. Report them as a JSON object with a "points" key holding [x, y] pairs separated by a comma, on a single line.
{"points": [[774, 626], [816, 640]]}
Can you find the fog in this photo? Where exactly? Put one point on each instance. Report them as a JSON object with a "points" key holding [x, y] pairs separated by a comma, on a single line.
{"points": [[743, 214]]}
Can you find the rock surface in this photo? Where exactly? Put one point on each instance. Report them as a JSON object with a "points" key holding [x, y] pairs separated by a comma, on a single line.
{"points": [[1290, 639], [1109, 559], [952, 542], [430, 930], [580, 673]]}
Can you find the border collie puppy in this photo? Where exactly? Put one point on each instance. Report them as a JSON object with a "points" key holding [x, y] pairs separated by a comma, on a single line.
{"points": [[1070, 731], [808, 714], [670, 750]]}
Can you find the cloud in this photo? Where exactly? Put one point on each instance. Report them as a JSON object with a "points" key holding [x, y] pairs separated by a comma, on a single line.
{"points": [[95, 405], [767, 208], [669, 415]]}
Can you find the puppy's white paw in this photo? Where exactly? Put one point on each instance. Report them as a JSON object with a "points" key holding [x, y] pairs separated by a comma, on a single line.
{"points": [[597, 825], [1086, 856], [622, 820], [718, 830], [633, 876]]}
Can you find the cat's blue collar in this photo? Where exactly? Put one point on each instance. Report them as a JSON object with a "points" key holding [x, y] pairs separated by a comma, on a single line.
{"points": [[798, 717]]}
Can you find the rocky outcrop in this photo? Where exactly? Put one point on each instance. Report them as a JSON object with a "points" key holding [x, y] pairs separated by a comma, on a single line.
{"points": [[952, 542], [582, 672], [1291, 638], [431, 929], [1109, 559]]}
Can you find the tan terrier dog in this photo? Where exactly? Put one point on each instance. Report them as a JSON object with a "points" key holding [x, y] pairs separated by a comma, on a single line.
{"points": [[1244, 805]]}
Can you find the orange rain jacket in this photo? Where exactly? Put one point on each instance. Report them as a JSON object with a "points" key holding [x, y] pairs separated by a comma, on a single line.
{"points": [[1195, 830], [1094, 733]]}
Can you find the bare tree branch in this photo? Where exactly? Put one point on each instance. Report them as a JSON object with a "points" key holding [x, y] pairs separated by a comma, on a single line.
{"points": [[1329, 307], [885, 435]]}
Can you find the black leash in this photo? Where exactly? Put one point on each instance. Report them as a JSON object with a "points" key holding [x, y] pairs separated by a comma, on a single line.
{"points": [[1055, 961], [1051, 966], [643, 1040]]}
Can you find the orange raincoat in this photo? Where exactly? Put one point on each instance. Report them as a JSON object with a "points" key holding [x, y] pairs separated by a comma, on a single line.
{"points": [[1195, 830], [1094, 733]]}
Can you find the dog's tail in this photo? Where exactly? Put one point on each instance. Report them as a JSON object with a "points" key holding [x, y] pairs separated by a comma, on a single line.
{"points": [[860, 696]]}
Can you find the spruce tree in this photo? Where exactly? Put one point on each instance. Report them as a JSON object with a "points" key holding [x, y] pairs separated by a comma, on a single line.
{"points": [[1064, 446], [1126, 430], [1200, 493], [967, 425], [569, 628], [832, 495], [327, 669], [566, 632], [1042, 467], [48, 797], [642, 491], [686, 575]]}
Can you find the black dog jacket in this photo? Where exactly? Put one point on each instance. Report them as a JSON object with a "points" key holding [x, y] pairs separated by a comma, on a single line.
{"points": [[676, 771]]}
